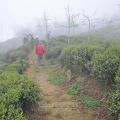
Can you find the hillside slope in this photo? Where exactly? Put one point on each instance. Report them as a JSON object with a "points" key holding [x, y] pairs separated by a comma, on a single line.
{"points": [[10, 44]]}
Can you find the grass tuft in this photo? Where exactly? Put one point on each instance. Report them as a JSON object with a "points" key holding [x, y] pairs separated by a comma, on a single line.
{"points": [[35, 69], [90, 102], [57, 78], [73, 89]]}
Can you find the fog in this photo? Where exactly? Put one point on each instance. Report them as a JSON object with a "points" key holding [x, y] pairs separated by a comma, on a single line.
{"points": [[27, 15]]}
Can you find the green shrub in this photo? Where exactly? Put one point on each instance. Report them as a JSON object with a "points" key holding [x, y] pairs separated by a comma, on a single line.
{"points": [[54, 52], [73, 89], [15, 91], [10, 113], [57, 78], [68, 57], [76, 58], [2, 65], [19, 66], [90, 102], [27, 88], [114, 50], [117, 78], [19, 53], [15, 54], [14, 114], [104, 66], [114, 104]]}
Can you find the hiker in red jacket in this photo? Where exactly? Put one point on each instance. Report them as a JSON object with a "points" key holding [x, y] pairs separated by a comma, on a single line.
{"points": [[40, 51]]}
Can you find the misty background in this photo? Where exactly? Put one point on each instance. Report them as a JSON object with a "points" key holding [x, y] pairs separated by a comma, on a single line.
{"points": [[21, 17]]}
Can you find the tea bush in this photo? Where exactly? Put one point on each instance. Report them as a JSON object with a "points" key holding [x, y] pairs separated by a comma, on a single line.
{"points": [[114, 98], [54, 52], [114, 104], [10, 113], [104, 67], [92, 59], [76, 58], [117, 78], [15, 91], [18, 66]]}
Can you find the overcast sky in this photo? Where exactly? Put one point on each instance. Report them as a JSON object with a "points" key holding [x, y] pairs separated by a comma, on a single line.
{"points": [[16, 14]]}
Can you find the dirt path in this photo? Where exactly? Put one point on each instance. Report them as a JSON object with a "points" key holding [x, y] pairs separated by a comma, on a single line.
{"points": [[56, 104]]}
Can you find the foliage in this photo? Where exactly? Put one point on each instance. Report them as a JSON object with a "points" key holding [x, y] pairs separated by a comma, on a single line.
{"points": [[11, 113], [54, 76], [35, 69], [18, 53], [93, 59], [54, 52], [57, 78], [19, 66], [76, 58], [58, 40], [15, 90], [49, 69], [13, 55], [114, 104], [117, 78], [2, 65], [114, 98], [104, 67], [73, 89], [90, 102], [84, 56]]}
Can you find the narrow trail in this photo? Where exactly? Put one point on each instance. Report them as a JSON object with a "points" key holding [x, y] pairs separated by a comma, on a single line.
{"points": [[56, 104]]}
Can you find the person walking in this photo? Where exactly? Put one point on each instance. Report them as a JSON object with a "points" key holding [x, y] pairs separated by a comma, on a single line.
{"points": [[40, 52]]}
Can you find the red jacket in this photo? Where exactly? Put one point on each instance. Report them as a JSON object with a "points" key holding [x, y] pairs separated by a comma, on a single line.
{"points": [[40, 49]]}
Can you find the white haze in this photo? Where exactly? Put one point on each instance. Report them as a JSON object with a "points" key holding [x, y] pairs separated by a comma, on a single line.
{"points": [[17, 14]]}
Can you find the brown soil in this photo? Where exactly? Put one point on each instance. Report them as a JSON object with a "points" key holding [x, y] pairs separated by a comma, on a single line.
{"points": [[56, 104], [91, 87]]}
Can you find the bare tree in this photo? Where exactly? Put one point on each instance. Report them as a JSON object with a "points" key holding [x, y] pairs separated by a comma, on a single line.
{"points": [[71, 23], [47, 32], [90, 21]]}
